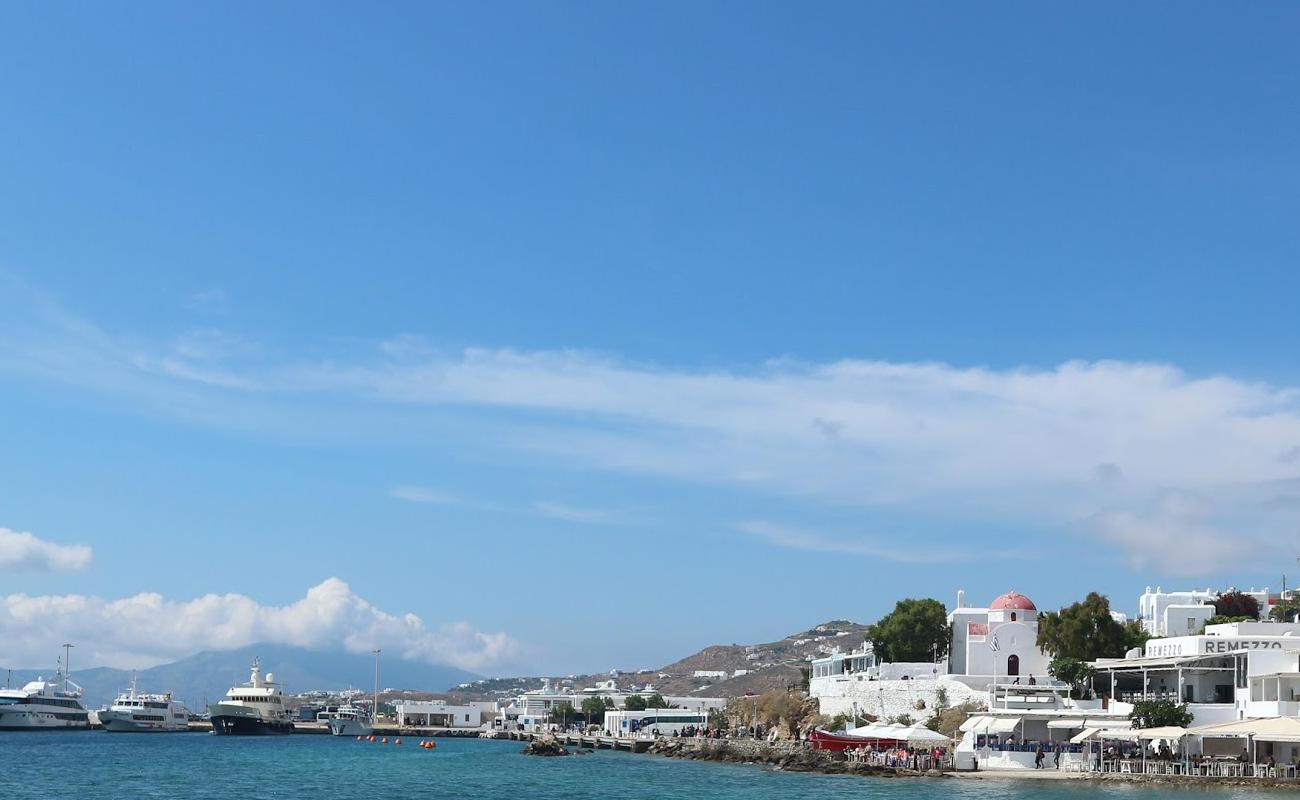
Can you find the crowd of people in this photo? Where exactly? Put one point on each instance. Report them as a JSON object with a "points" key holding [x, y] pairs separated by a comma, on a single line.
{"points": [[900, 757]]}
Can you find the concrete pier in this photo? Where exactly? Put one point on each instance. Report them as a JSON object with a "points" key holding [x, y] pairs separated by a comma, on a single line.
{"points": [[587, 740]]}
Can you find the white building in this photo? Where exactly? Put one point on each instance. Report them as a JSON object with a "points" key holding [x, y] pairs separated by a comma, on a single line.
{"points": [[1183, 613], [439, 714], [997, 642], [1235, 671], [533, 708]]}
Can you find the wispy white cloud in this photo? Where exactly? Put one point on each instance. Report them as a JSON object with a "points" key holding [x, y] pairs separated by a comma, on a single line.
{"points": [[800, 539], [147, 629], [23, 552], [426, 495], [586, 516], [553, 510], [209, 300], [1090, 447]]}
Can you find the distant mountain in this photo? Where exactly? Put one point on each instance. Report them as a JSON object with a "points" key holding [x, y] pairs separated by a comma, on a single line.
{"points": [[751, 669], [209, 674]]}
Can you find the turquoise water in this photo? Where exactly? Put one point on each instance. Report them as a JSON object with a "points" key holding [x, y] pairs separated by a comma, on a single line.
{"points": [[94, 764]]}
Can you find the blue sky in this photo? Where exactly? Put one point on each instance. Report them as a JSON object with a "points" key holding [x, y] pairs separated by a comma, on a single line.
{"points": [[735, 316]]}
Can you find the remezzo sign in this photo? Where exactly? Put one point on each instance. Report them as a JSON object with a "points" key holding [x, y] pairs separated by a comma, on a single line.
{"points": [[1212, 645], [1241, 644]]}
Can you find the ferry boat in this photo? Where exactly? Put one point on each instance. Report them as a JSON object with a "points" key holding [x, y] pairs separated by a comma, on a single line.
{"points": [[254, 709], [134, 712], [351, 720], [43, 705]]}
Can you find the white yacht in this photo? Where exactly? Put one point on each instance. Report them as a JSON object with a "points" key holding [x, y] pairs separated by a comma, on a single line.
{"points": [[254, 709], [43, 705], [351, 720], [134, 712]]}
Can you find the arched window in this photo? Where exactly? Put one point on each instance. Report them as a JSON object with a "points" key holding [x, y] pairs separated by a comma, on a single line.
{"points": [[1013, 616], [1013, 665]]}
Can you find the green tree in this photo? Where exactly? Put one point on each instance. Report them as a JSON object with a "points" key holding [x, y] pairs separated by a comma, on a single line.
{"points": [[1084, 631], [1236, 604], [562, 712], [657, 700], [949, 720], [593, 709], [1135, 636], [916, 630], [1160, 713], [1285, 610], [634, 702], [1072, 671]]}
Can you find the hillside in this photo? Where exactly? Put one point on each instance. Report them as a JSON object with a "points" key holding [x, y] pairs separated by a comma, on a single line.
{"points": [[771, 665], [206, 676]]}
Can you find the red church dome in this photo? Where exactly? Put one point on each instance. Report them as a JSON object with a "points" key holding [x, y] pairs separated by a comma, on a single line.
{"points": [[1013, 600]]}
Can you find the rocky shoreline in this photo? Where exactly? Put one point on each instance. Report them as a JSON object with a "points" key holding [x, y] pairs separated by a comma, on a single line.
{"points": [[785, 756]]}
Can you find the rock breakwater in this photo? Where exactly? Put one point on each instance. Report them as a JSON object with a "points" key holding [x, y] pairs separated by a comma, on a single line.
{"points": [[787, 756]]}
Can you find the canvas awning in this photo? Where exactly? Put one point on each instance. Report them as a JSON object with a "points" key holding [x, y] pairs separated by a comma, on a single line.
{"points": [[1171, 732], [1003, 724], [977, 724], [1087, 734], [919, 734], [1111, 724], [878, 730], [1269, 729], [1065, 724]]}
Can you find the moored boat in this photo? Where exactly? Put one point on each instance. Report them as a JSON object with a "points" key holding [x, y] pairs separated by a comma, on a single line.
{"points": [[136, 712], [254, 709]]}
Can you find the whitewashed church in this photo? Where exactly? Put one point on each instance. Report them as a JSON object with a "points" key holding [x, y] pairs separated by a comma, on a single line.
{"points": [[997, 642]]}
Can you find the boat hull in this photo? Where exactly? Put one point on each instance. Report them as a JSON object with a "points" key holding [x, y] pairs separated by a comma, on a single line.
{"points": [[836, 742], [224, 725], [115, 722], [43, 721], [350, 727]]}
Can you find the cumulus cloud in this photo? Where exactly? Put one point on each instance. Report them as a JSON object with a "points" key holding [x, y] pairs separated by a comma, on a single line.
{"points": [[23, 552], [147, 629]]}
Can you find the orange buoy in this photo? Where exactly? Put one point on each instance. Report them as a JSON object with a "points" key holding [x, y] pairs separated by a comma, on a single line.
{"points": [[370, 738]]}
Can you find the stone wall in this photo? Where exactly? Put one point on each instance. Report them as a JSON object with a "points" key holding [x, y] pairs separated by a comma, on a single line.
{"points": [[891, 698]]}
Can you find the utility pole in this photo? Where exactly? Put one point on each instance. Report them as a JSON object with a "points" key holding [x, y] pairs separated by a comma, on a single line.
{"points": [[374, 713]]}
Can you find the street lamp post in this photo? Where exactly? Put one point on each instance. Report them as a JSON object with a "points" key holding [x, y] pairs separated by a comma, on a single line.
{"points": [[374, 713]]}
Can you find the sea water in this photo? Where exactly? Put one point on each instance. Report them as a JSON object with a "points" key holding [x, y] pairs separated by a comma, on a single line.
{"points": [[195, 766]]}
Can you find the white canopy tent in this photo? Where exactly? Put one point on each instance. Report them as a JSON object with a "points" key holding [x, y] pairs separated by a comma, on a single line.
{"points": [[919, 734]]}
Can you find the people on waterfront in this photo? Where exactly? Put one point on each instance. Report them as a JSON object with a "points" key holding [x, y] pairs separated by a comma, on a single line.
{"points": [[1038, 757]]}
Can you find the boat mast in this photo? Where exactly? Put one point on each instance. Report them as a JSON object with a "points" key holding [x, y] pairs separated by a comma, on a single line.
{"points": [[67, 658], [374, 712]]}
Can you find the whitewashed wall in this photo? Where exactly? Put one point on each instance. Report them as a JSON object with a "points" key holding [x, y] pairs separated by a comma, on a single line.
{"points": [[890, 698]]}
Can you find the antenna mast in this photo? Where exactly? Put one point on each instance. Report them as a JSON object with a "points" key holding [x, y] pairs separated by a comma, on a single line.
{"points": [[67, 658]]}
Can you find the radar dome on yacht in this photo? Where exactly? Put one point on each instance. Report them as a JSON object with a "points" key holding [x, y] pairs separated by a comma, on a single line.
{"points": [[270, 677]]}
